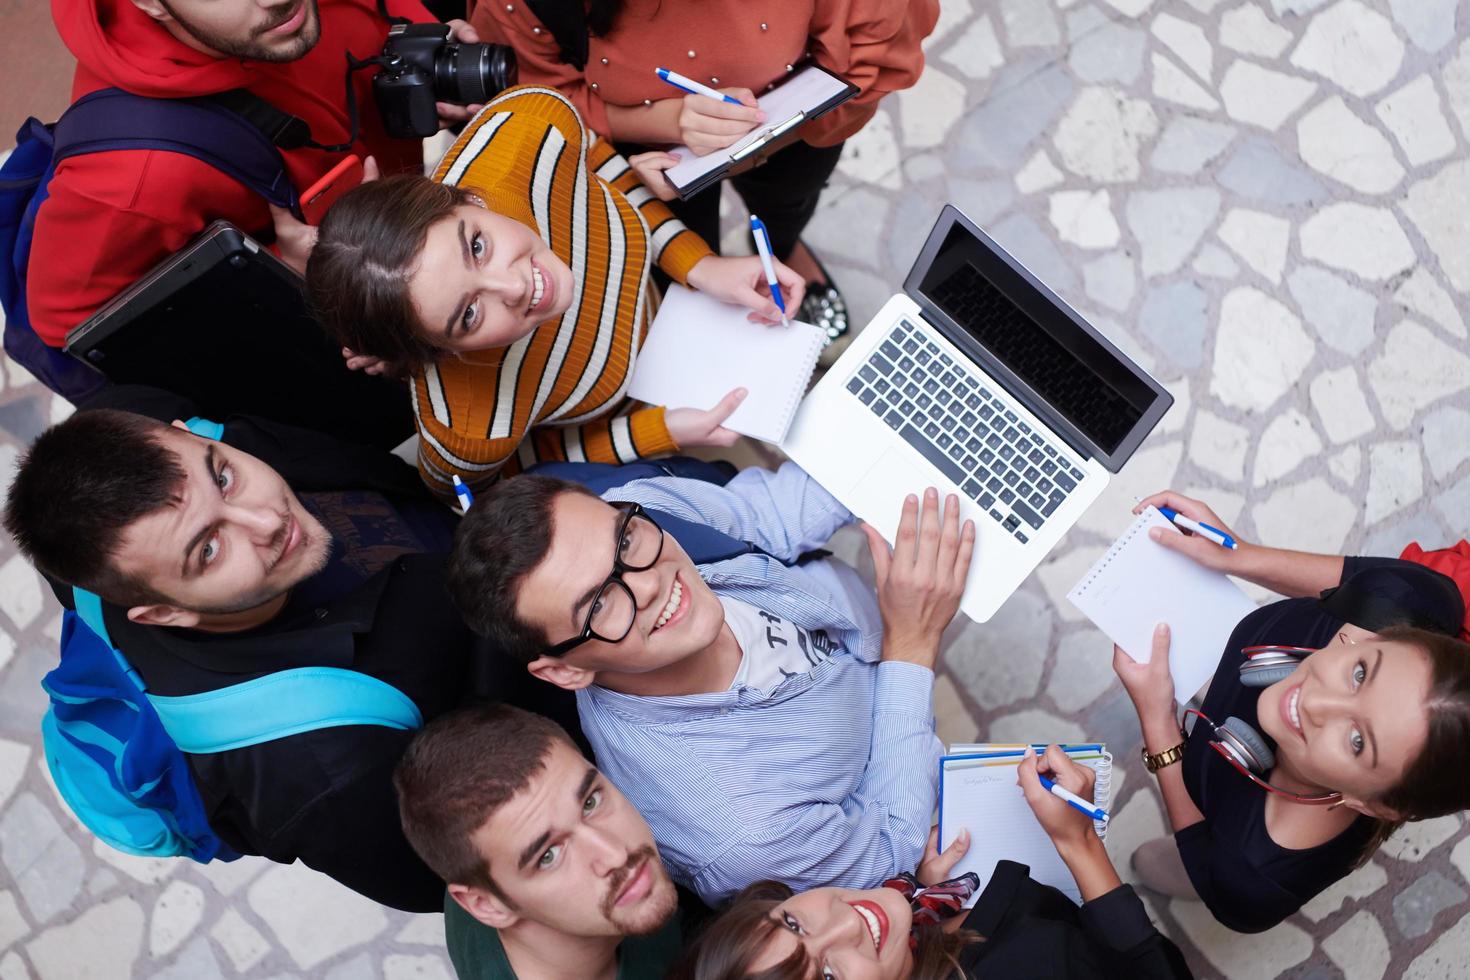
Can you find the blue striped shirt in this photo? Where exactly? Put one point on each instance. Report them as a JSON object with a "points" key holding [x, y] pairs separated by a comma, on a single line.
{"points": [[829, 777]]}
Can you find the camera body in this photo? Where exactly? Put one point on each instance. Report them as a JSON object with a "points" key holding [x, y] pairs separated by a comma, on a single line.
{"points": [[421, 66]]}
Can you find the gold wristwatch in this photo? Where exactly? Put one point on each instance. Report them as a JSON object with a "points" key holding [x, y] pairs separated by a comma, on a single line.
{"points": [[1165, 758]]}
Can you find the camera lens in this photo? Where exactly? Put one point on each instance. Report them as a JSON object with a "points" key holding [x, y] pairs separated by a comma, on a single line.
{"points": [[466, 74]]}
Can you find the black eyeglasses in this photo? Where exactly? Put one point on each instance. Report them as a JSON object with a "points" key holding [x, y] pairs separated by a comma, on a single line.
{"points": [[640, 542]]}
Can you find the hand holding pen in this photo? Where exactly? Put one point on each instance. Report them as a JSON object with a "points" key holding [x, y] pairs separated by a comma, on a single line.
{"points": [[1059, 792], [1206, 538], [710, 119]]}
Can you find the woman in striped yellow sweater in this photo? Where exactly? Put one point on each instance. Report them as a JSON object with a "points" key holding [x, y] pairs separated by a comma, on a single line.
{"points": [[514, 287]]}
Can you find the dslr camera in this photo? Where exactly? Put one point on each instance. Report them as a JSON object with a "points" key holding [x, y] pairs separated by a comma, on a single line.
{"points": [[421, 66]]}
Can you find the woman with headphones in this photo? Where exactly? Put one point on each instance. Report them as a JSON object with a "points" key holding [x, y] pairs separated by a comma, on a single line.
{"points": [[1334, 716]]}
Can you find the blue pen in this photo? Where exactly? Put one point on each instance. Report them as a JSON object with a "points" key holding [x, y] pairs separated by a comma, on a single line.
{"points": [[1203, 530], [763, 248], [1073, 800], [690, 85], [466, 499]]}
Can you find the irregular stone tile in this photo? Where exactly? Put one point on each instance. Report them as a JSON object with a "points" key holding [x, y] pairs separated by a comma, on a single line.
{"points": [[1342, 314], [1282, 7], [1139, 821], [982, 200], [1124, 340], [1446, 437], [951, 15], [1430, 24], [1187, 40], [1188, 144], [1169, 223], [101, 942], [1340, 405], [870, 156], [427, 967], [856, 208], [1445, 957], [1224, 503], [1084, 670], [1414, 841], [1278, 519], [1358, 885], [1029, 24], [13, 759], [1335, 141], [1353, 45], [1150, 470], [12, 923], [312, 916], [1454, 503], [42, 861], [428, 929], [1038, 174], [1365, 240], [1267, 954], [1415, 907], [20, 592], [1084, 218], [1346, 465], [1172, 84], [1083, 21], [1389, 538], [930, 108], [1001, 663], [1099, 136], [21, 701], [1033, 725], [917, 169], [1247, 30], [1021, 106], [146, 870], [242, 942], [1258, 171], [228, 876], [1174, 317], [1359, 947], [1059, 572], [12, 967], [1415, 370], [1261, 350], [360, 967], [1258, 238], [1413, 115], [1460, 858], [1215, 262], [1456, 80], [952, 721], [1289, 441], [1130, 8], [196, 962], [1219, 446], [175, 914], [1036, 250], [1263, 97], [1108, 280], [1445, 233], [1395, 479], [1174, 419], [1421, 293], [977, 53], [1111, 53]]}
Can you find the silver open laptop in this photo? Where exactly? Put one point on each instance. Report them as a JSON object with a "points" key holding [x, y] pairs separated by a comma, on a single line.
{"points": [[981, 381]]}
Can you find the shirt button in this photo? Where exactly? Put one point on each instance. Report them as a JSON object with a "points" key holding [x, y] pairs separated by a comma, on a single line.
{"points": [[763, 26], [535, 30], [510, 6], [320, 613], [648, 102], [594, 86], [713, 80], [691, 53], [604, 61], [789, 68]]}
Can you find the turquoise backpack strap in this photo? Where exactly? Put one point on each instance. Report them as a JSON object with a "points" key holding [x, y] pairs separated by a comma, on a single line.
{"points": [[206, 428]]}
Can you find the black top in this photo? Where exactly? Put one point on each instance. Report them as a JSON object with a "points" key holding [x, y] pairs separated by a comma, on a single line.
{"points": [[1249, 882], [1033, 930], [380, 607]]}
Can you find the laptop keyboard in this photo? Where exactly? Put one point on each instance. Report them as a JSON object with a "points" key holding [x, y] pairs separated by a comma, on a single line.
{"points": [[960, 424]]}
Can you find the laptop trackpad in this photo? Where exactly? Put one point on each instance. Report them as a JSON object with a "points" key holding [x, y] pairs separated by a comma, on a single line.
{"points": [[894, 476]]}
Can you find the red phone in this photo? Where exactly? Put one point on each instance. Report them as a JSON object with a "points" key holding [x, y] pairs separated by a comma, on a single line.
{"points": [[324, 193]]}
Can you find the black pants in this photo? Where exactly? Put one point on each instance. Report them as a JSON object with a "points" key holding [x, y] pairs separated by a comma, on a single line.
{"points": [[783, 192]]}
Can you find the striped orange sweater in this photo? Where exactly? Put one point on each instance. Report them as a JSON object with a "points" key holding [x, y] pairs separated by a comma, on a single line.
{"points": [[558, 393]]}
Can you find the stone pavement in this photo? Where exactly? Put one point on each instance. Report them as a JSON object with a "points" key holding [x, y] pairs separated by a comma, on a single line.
{"points": [[1263, 200]]}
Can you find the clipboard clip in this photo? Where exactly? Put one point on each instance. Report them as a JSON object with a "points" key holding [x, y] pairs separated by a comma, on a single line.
{"points": [[771, 134]]}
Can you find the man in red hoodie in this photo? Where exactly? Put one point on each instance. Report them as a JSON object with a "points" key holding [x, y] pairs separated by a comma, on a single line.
{"points": [[112, 216]]}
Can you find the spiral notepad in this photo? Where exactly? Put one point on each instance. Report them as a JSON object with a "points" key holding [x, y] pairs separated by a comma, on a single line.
{"points": [[1140, 583], [978, 792], [699, 349]]}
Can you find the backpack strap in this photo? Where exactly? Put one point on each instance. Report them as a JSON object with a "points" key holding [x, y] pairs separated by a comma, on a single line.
{"points": [[111, 119]]}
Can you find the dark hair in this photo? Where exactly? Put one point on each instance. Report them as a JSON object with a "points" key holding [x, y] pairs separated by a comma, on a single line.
{"points": [[80, 486], [727, 947], [1428, 787], [367, 248], [501, 541], [458, 770], [601, 14]]}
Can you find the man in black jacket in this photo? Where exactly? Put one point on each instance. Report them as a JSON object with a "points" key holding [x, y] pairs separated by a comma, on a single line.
{"points": [[271, 548]]}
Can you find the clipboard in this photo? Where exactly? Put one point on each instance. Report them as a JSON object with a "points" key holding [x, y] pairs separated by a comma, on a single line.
{"points": [[809, 93]]}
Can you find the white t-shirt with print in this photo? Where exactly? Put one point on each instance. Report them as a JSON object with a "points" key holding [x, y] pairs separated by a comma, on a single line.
{"points": [[772, 648]]}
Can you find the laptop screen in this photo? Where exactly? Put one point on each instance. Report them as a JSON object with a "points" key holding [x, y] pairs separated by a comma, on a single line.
{"points": [[1079, 377]]}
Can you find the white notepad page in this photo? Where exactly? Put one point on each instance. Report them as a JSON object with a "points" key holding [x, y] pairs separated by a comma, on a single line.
{"points": [[699, 349], [1139, 584], [804, 91], [987, 801]]}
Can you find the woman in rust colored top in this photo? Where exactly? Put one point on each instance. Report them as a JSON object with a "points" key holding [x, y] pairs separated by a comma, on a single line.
{"points": [[742, 48]]}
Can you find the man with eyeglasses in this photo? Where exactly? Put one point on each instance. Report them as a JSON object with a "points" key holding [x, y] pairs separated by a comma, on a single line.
{"points": [[768, 714]]}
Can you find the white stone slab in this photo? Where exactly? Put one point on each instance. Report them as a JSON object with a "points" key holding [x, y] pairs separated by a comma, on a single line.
{"points": [[312, 916], [1358, 885], [148, 871], [1446, 434], [241, 941], [1169, 223], [175, 914], [977, 52], [1437, 205], [1261, 96], [1173, 85], [1359, 947], [1430, 24], [1353, 45], [1342, 314], [427, 929], [1059, 572], [1414, 841], [430, 966], [870, 156], [99, 944], [1029, 24], [12, 967], [1188, 41], [1289, 441], [1395, 479], [1341, 406], [1188, 144], [952, 13], [1033, 725], [1084, 670], [1335, 141], [1248, 30], [1423, 294], [1414, 115], [1219, 446], [1259, 238], [1456, 80], [39, 859], [1261, 350], [1279, 518], [1084, 218], [1215, 262], [1445, 957], [13, 759], [1038, 174], [20, 592], [1266, 955], [1099, 135], [1361, 239], [929, 109], [12, 923], [1139, 821], [1130, 8], [1415, 370]]}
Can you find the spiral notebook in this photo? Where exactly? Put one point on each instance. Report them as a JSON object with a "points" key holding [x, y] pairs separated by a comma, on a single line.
{"points": [[699, 349], [978, 792], [1139, 584]]}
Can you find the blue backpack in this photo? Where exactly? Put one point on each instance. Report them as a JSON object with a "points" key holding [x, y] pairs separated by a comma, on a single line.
{"points": [[230, 132]]}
